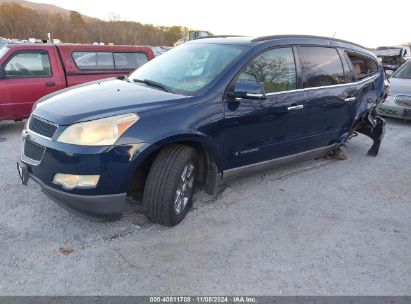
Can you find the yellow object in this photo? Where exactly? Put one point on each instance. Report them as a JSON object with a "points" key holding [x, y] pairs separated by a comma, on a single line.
{"points": [[71, 181], [189, 35]]}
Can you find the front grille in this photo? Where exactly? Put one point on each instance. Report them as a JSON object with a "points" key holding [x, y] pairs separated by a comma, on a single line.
{"points": [[403, 100], [383, 111], [42, 127], [33, 151]]}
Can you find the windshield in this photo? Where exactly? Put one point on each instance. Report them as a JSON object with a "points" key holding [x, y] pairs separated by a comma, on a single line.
{"points": [[3, 51], [388, 52], [189, 68], [403, 72]]}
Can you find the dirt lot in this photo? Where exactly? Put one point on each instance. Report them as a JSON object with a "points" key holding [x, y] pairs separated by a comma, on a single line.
{"points": [[326, 227]]}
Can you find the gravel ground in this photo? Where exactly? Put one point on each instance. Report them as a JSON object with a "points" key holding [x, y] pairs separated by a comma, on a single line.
{"points": [[329, 227]]}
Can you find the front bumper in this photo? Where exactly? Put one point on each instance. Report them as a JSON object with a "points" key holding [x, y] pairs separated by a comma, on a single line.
{"points": [[391, 109], [115, 165], [96, 207]]}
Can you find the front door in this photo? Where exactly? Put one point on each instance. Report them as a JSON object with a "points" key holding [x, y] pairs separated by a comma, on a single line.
{"points": [[29, 76], [259, 130]]}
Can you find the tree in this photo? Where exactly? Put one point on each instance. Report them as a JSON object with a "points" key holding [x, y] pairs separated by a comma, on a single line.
{"points": [[20, 22], [78, 28]]}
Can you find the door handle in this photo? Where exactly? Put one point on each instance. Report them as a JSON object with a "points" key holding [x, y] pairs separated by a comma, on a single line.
{"points": [[255, 95], [295, 108], [350, 99], [50, 84]]}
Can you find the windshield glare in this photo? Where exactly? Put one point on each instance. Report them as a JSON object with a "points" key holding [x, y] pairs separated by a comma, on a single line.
{"points": [[189, 68], [3, 51], [403, 72]]}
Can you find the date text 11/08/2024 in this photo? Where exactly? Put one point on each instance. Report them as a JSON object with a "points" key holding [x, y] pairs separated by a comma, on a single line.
{"points": [[204, 299]]}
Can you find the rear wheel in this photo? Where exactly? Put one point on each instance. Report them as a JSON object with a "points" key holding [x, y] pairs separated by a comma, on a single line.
{"points": [[169, 188]]}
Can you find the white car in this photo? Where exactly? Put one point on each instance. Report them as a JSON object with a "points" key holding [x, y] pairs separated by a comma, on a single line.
{"points": [[398, 102]]}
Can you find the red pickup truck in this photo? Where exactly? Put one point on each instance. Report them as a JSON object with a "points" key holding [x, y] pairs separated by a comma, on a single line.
{"points": [[29, 72]]}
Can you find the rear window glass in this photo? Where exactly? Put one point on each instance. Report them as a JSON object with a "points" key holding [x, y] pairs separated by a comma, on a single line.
{"points": [[322, 66], [94, 60], [129, 61], [363, 66], [109, 60], [30, 64]]}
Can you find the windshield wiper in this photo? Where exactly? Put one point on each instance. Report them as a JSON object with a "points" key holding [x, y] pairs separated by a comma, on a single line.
{"points": [[154, 84]]}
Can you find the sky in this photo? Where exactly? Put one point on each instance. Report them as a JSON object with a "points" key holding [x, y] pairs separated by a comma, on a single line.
{"points": [[370, 23]]}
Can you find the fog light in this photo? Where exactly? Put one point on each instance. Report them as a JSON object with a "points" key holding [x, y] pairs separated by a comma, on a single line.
{"points": [[70, 181]]}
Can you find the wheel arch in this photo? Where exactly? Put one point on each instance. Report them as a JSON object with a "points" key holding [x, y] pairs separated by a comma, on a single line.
{"points": [[208, 161]]}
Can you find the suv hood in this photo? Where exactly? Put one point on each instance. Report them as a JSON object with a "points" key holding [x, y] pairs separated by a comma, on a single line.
{"points": [[101, 99], [399, 86]]}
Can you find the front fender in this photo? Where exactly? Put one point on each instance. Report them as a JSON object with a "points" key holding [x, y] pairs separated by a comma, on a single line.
{"points": [[213, 150], [145, 152]]}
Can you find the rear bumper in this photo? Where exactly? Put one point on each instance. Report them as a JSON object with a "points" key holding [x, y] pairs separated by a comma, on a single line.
{"points": [[97, 207]]}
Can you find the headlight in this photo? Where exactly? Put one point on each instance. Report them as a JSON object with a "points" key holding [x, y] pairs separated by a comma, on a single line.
{"points": [[100, 132]]}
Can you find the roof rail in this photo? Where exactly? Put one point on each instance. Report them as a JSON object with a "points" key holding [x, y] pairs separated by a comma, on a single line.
{"points": [[265, 38], [219, 36]]}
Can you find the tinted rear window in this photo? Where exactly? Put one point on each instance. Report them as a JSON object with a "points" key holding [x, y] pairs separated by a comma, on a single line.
{"points": [[322, 66], [363, 66]]}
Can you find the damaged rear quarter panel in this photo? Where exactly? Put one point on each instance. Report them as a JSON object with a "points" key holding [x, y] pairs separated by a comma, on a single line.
{"points": [[370, 95]]}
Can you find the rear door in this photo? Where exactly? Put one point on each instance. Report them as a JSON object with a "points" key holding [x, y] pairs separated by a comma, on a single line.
{"points": [[30, 75], [365, 72], [330, 95]]}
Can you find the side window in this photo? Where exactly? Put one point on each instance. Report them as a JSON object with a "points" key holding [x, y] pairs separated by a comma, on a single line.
{"points": [[274, 69], [94, 60], [129, 61], [322, 66], [30, 64], [363, 66]]}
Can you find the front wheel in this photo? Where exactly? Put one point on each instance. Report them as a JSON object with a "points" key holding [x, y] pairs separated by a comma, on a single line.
{"points": [[170, 183]]}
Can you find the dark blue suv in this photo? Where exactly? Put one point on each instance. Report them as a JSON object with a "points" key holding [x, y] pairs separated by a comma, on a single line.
{"points": [[211, 109]]}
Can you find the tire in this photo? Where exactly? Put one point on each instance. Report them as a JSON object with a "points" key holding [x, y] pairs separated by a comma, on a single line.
{"points": [[166, 200]]}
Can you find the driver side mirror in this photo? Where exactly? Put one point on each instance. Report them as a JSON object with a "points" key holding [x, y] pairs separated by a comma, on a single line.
{"points": [[246, 89], [2, 72]]}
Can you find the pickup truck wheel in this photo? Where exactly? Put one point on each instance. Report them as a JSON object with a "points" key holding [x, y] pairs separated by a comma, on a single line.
{"points": [[169, 186]]}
